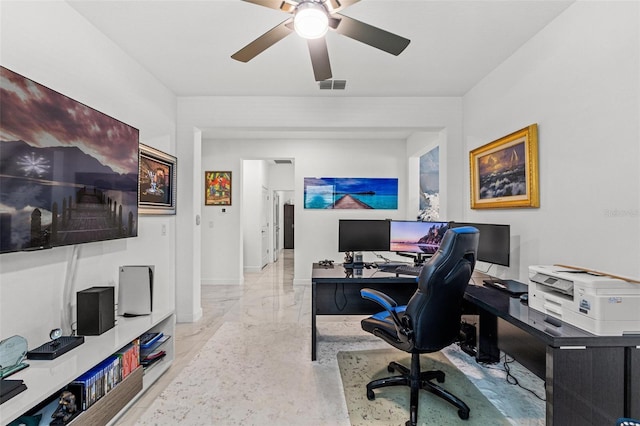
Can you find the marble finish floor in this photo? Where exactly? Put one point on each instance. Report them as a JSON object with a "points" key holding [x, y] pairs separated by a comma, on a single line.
{"points": [[247, 361]]}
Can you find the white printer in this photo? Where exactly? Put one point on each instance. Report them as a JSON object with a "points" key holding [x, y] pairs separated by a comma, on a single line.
{"points": [[599, 304]]}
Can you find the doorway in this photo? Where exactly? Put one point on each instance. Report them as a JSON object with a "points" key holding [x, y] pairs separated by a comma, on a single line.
{"points": [[264, 227], [288, 227]]}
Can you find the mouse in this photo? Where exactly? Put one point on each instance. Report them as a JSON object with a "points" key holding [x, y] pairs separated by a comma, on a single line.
{"points": [[524, 298]]}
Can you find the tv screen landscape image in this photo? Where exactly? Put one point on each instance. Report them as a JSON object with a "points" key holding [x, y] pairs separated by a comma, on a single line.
{"points": [[416, 237], [68, 173]]}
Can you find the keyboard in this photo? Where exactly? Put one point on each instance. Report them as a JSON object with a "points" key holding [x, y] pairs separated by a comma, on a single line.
{"points": [[390, 266], [409, 270]]}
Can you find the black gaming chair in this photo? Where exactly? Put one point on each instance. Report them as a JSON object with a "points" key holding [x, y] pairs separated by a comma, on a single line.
{"points": [[431, 319]]}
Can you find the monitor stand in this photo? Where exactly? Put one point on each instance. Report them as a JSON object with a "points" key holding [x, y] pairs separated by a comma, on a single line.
{"points": [[418, 258]]}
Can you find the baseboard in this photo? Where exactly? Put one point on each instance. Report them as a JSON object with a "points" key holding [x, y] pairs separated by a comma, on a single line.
{"points": [[192, 317], [302, 281], [217, 281]]}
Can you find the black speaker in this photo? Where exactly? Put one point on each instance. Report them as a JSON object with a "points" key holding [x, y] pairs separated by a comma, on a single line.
{"points": [[96, 310]]}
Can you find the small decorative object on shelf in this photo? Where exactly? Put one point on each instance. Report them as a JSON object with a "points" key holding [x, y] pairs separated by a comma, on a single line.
{"points": [[67, 409], [12, 352]]}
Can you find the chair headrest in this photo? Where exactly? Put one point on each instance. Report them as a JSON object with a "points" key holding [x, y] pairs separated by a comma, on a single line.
{"points": [[464, 230]]}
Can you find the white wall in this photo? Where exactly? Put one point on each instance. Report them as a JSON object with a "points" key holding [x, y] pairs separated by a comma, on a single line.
{"points": [[579, 80], [52, 44]]}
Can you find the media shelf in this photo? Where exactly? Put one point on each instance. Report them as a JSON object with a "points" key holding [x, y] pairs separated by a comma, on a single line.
{"points": [[45, 378]]}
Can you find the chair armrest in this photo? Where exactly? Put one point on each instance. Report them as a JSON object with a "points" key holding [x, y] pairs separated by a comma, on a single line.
{"points": [[405, 332], [380, 298], [385, 301]]}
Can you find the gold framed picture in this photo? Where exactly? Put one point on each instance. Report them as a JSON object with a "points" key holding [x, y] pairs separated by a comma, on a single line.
{"points": [[217, 188], [504, 173]]}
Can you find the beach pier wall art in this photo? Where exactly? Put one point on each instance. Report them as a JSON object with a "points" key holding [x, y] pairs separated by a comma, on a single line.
{"points": [[351, 193]]}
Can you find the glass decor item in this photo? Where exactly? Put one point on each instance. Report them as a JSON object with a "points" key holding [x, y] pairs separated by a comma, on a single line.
{"points": [[13, 350]]}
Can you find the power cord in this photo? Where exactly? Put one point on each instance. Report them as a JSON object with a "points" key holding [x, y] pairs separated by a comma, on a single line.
{"points": [[510, 378], [487, 271], [335, 298], [379, 256]]}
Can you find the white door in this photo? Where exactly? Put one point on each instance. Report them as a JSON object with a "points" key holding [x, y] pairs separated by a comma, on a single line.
{"points": [[264, 226]]}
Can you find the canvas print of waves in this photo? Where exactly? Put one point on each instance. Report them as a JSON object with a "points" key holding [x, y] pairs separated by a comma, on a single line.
{"points": [[351, 193], [503, 173]]}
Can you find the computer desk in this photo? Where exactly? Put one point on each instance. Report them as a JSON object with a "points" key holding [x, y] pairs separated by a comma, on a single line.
{"points": [[336, 291], [589, 380]]}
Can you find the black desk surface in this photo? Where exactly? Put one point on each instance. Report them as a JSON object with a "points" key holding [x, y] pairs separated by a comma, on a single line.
{"points": [[550, 331], [338, 274]]}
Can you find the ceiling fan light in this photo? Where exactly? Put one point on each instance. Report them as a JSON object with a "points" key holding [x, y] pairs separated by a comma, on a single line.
{"points": [[311, 20]]}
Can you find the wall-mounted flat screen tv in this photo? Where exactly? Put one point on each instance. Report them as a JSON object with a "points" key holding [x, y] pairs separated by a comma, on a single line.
{"points": [[68, 173]]}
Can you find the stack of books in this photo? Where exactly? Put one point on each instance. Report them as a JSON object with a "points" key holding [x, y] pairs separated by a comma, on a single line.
{"points": [[129, 357], [149, 352]]}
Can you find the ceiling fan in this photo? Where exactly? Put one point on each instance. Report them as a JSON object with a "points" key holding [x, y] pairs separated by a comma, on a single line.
{"points": [[311, 20]]}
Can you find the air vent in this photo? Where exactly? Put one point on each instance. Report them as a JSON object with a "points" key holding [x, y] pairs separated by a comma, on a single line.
{"points": [[333, 84], [282, 161]]}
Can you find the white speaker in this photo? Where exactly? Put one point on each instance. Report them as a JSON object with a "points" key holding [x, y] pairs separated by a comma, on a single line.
{"points": [[135, 291]]}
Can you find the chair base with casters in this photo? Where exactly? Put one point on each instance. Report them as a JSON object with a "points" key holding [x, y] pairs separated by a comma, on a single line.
{"points": [[416, 380]]}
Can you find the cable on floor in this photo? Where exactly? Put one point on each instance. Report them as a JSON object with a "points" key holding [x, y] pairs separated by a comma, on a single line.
{"points": [[510, 378]]}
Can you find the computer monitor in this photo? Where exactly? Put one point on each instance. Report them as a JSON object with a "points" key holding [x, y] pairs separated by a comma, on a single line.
{"points": [[363, 235], [420, 238], [494, 244]]}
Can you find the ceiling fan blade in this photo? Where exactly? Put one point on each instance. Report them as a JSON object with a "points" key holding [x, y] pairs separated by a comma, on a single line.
{"points": [[319, 58], [274, 4], [338, 5], [333, 4], [289, 6], [263, 42], [373, 36]]}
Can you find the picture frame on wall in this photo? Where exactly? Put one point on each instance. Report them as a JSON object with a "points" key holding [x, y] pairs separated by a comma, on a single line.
{"points": [[504, 173], [329, 193], [217, 188], [157, 182]]}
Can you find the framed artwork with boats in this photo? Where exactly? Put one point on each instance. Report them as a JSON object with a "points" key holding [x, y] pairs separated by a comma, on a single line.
{"points": [[350, 193], [504, 173]]}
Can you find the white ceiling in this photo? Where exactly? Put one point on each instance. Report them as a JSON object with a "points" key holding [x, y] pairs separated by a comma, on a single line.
{"points": [[187, 45]]}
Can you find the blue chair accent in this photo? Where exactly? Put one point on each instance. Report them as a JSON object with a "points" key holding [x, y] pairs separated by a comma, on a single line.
{"points": [[431, 319], [625, 421]]}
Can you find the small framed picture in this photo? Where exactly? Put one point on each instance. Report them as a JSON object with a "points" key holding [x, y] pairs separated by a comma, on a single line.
{"points": [[156, 182], [217, 188]]}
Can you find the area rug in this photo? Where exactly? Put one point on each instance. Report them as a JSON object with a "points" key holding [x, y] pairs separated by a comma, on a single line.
{"points": [[391, 405]]}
